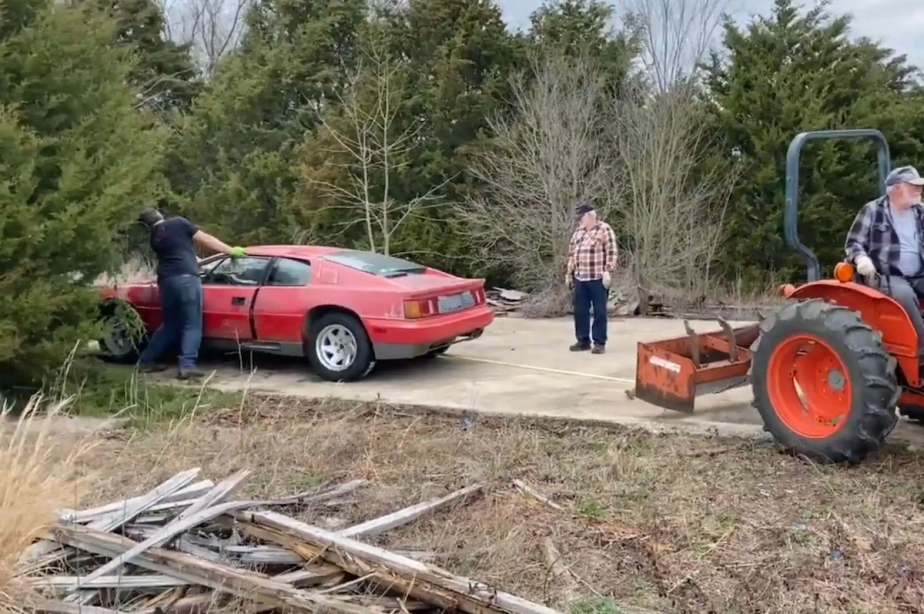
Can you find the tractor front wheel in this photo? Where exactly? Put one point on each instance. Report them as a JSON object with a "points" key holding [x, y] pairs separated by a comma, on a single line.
{"points": [[823, 382]]}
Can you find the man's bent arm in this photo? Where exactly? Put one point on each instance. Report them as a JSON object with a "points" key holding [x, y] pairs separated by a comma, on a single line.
{"points": [[610, 250], [571, 254], [857, 244], [209, 242]]}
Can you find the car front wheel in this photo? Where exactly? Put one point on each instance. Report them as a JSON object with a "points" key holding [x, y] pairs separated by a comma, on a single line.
{"points": [[339, 348], [123, 335]]}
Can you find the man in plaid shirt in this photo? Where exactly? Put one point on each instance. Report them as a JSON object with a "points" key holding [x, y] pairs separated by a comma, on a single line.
{"points": [[591, 260], [885, 243]]}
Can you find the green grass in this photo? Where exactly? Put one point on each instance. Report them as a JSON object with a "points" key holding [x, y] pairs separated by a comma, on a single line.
{"points": [[103, 390]]}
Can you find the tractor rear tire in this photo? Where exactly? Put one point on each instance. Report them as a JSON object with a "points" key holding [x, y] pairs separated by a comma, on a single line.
{"points": [[843, 367]]}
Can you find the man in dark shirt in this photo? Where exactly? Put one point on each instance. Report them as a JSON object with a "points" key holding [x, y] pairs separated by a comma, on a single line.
{"points": [[173, 241]]}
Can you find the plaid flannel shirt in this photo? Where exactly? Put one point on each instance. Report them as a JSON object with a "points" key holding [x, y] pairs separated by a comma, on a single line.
{"points": [[873, 235], [592, 252]]}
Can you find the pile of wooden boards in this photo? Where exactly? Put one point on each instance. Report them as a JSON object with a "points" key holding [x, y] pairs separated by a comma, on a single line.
{"points": [[505, 301], [183, 548]]}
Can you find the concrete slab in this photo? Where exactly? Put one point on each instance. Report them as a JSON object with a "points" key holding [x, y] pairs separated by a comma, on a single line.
{"points": [[521, 367]]}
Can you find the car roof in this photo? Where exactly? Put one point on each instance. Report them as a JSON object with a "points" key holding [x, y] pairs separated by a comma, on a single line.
{"points": [[295, 251]]}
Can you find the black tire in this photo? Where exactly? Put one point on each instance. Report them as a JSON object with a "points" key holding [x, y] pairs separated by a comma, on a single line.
{"points": [[870, 371], [363, 360], [120, 320]]}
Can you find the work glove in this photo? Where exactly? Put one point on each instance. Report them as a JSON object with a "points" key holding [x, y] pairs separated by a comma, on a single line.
{"points": [[238, 252], [607, 280], [865, 267]]}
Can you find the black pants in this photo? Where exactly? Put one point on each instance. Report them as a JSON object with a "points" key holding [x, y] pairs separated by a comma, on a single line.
{"points": [[590, 295]]}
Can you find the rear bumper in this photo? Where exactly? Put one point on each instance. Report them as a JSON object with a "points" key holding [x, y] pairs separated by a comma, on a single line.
{"points": [[402, 339]]}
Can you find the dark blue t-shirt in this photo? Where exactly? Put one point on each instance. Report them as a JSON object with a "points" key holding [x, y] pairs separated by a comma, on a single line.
{"points": [[172, 241]]}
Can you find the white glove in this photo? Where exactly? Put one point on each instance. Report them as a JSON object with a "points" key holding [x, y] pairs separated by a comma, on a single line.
{"points": [[607, 280], [865, 266]]}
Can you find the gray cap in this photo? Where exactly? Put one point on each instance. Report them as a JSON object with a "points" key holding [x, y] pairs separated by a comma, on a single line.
{"points": [[904, 174]]}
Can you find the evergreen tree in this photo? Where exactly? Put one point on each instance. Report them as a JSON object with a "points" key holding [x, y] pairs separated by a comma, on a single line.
{"points": [[232, 163], [164, 72], [78, 162], [786, 73]]}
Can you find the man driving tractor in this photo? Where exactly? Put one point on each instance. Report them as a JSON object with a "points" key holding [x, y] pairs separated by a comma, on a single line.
{"points": [[885, 243]]}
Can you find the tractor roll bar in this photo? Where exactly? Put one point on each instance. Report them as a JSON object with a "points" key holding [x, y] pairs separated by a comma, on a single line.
{"points": [[791, 212]]}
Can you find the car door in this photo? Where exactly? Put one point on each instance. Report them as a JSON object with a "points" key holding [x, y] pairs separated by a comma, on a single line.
{"points": [[229, 291], [279, 313]]}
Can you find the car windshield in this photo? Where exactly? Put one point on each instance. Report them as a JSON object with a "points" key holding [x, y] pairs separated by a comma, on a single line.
{"points": [[376, 264]]}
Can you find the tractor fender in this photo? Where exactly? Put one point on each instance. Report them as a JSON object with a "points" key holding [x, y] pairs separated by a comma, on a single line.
{"points": [[879, 311]]}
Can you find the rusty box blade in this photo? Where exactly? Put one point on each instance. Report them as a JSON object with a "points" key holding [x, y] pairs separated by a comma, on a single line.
{"points": [[671, 373]]}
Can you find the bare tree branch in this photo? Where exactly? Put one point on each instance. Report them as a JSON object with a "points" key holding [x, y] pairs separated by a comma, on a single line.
{"points": [[676, 199], [212, 27], [675, 35], [538, 167], [367, 131]]}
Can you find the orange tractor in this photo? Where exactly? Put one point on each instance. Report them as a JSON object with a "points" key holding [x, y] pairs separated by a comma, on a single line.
{"points": [[830, 370]]}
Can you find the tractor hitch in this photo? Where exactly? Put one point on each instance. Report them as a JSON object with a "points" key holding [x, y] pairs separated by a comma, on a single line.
{"points": [[671, 373]]}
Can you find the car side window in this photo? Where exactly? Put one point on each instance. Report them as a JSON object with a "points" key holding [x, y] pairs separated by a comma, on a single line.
{"points": [[288, 272], [207, 267], [237, 272]]}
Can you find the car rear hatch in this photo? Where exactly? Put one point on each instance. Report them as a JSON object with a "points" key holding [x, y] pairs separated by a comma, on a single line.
{"points": [[432, 295]]}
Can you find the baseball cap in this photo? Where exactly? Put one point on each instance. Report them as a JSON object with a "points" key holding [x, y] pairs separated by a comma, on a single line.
{"points": [[150, 216], [905, 174], [582, 208]]}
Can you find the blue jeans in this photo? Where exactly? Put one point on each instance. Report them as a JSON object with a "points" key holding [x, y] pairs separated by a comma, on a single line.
{"points": [[181, 306], [587, 295]]}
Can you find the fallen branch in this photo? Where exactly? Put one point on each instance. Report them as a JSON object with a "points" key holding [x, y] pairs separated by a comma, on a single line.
{"points": [[531, 492], [410, 514]]}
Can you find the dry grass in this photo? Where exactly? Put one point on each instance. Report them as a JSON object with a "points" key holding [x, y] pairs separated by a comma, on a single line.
{"points": [[673, 523], [37, 478]]}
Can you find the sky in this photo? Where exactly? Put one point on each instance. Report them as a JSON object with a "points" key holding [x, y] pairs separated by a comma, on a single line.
{"points": [[898, 24]]}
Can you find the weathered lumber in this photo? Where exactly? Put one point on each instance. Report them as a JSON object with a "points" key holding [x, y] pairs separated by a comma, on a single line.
{"points": [[59, 607], [409, 514], [559, 570], [121, 582], [195, 515], [441, 598], [241, 583], [116, 519], [473, 596], [178, 499]]}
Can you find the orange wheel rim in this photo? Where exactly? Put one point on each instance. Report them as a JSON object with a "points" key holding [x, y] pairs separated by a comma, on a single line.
{"points": [[808, 387]]}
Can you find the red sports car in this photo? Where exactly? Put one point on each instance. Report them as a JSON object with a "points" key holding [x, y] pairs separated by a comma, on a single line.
{"points": [[343, 309]]}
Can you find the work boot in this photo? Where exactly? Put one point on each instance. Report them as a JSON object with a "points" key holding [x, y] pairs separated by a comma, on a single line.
{"points": [[598, 349], [152, 368], [580, 347], [189, 374]]}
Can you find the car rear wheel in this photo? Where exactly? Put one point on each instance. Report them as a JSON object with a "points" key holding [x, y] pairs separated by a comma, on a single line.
{"points": [[339, 348], [123, 334]]}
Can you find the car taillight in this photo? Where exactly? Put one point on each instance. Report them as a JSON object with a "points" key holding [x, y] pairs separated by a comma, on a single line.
{"points": [[416, 309]]}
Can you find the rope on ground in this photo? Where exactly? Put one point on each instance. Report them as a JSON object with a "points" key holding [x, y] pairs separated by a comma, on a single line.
{"points": [[500, 363]]}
